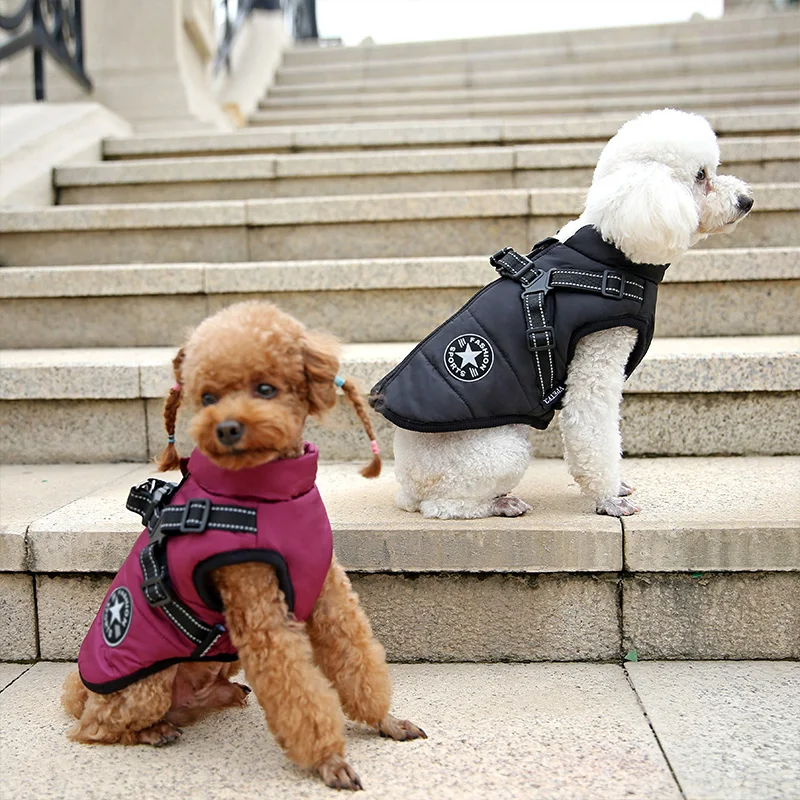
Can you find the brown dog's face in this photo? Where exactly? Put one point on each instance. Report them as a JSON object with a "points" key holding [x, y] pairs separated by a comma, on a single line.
{"points": [[252, 375]]}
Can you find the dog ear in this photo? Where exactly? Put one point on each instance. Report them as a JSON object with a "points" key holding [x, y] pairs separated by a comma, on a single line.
{"points": [[645, 211], [321, 357]]}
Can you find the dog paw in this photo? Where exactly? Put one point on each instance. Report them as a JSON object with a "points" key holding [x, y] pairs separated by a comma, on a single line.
{"points": [[509, 506], [625, 489], [338, 774], [401, 730], [617, 507], [160, 734]]}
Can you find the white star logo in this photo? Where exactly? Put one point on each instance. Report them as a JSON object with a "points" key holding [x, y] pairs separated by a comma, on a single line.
{"points": [[116, 609], [468, 356]]}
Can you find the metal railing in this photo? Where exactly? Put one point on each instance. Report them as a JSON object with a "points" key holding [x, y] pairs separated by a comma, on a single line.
{"points": [[47, 26]]}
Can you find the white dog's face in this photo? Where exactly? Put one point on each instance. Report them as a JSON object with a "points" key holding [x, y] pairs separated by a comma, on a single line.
{"points": [[656, 191]]}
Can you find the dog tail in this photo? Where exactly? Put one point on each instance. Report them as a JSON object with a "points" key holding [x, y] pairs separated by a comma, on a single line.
{"points": [[373, 469]]}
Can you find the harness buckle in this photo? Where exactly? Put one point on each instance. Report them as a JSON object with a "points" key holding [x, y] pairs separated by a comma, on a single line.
{"points": [[193, 524], [160, 497], [158, 584], [506, 270], [550, 344], [610, 291]]}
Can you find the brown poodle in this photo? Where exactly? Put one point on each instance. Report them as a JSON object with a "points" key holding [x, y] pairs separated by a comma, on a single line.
{"points": [[252, 375]]}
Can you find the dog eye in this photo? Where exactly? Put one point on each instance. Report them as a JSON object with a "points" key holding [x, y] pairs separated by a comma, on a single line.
{"points": [[208, 399], [266, 391], [701, 175]]}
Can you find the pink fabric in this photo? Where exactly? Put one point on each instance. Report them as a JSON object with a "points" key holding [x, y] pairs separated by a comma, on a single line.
{"points": [[291, 521]]}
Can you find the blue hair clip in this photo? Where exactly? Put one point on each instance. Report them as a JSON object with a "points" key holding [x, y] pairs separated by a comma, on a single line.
{"points": [[339, 381], [170, 440]]}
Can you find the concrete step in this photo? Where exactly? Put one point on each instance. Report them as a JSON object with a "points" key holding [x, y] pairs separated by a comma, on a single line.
{"points": [[708, 293], [510, 72], [757, 159], [696, 101], [358, 226], [589, 55], [597, 128], [666, 37], [688, 397], [287, 97], [552, 578], [601, 731], [512, 75]]}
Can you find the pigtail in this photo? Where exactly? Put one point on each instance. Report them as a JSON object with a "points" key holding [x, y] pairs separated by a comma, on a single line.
{"points": [[169, 458], [373, 469]]}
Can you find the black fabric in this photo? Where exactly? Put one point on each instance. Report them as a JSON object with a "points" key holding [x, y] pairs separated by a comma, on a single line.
{"points": [[503, 357], [148, 500], [205, 586], [127, 680]]}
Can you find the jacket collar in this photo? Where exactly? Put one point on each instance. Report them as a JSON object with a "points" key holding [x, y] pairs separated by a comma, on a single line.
{"points": [[588, 242], [284, 479]]}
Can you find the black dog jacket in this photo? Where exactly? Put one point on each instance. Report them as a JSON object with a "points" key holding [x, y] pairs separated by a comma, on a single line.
{"points": [[503, 357]]}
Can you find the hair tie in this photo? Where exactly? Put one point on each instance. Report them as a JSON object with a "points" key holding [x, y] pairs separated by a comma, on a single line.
{"points": [[339, 381], [171, 439], [375, 448], [176, 387]]}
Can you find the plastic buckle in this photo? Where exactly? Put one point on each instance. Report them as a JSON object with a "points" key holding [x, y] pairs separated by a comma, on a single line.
{"points": [[159, 584], [530, 335], [161, 497], [608, 291], [506, 270], [192, 524]]}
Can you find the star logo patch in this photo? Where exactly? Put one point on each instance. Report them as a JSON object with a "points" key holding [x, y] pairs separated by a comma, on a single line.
{"points": [[469, 357], [117, 614]]}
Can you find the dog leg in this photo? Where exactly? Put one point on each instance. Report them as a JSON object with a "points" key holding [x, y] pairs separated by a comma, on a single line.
{"points": [[134, 715], [201, 687], [301, 707], [353, 659], [589, 420]]}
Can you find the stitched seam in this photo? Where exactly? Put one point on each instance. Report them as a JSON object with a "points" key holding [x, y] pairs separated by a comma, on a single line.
{"points": [[211, 644], [517, 257], [547, 340], [181, 628], [535, 354], [191, 620], [150, 576], [598, 276]]}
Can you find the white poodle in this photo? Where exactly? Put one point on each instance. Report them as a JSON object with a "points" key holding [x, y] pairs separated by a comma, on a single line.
{"points": [[654, 194]]}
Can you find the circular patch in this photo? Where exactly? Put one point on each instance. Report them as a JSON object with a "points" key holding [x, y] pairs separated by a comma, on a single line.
{"points": [[117, 614], [469, 357]]}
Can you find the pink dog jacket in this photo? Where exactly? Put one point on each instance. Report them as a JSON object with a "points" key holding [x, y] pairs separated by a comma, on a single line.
{"points": [[162, 607]]}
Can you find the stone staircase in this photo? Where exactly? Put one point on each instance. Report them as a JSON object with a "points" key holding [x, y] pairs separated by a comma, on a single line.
{"points": [[365, 198]]}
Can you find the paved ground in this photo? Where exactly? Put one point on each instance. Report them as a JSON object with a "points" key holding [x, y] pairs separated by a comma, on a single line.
{"points": [[694, 730]]}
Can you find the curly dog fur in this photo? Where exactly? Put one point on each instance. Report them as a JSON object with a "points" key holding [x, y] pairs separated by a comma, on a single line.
{"points": [[303, 674], [655, 193]]}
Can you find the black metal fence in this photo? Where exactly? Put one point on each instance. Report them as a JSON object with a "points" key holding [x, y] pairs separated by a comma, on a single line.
{"points": [[54, 27]]}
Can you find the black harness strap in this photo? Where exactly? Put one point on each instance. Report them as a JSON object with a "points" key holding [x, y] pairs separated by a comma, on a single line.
{"points": [[536, 284], [148, 500]]}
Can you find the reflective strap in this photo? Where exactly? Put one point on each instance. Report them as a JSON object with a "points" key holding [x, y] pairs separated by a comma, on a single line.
{"points": [[158, 593]]}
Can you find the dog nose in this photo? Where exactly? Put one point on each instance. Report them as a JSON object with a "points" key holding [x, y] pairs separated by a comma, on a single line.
{"points": [[744, 202], [230, 431]]}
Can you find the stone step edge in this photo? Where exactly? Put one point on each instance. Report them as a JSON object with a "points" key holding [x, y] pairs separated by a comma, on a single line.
{"points": [[509, 108], [298, 137], [336, 209], [596, 54], [731, 265], [387, 162], [284, 96], [709, 365], [93, 532], [666, 33], [533, 71]]}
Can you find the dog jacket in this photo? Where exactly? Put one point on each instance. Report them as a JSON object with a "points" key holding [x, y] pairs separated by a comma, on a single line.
{"points": [[503, 357], [162, 607]]}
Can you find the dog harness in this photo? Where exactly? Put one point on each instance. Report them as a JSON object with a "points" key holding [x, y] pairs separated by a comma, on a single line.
{"points": [[503, 358], [162, 607]]}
